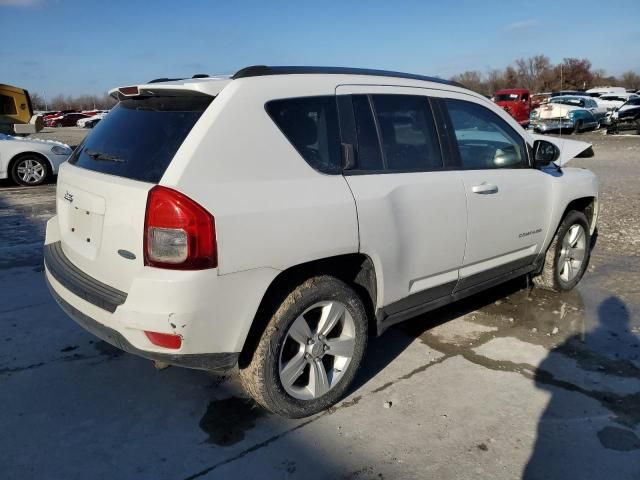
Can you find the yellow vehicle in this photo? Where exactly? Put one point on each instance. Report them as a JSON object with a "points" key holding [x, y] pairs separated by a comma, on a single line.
{"points": [[16, 112]]}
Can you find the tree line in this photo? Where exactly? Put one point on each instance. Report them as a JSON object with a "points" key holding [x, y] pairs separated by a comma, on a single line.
{"points": [[538, 74], [68, 102]]}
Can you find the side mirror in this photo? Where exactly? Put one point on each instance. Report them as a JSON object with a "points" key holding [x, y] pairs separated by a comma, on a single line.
{"points": [[544, 153]]}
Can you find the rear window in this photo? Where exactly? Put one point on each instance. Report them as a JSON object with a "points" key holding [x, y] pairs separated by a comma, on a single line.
{"points": [[140, 136]]}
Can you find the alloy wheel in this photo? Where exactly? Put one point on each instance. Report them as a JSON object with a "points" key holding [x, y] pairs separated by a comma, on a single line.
{"points": [[317, 350]]}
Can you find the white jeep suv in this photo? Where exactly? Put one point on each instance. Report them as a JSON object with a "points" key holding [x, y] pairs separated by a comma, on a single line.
{"points": [[274, 219]]}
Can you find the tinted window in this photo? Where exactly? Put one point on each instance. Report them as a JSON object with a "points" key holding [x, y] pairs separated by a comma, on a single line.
{"points": [[140, 136], [368, 155], [311, 125], [7, 105], [484, 139], [407, 132]]}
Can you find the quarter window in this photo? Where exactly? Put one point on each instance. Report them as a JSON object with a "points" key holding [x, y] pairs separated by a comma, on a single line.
{"points": [[484, 139], [311, 125]]}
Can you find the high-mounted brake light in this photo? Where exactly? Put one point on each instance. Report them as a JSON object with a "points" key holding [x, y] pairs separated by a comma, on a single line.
{"points": [[179, 234], [128, 90]]}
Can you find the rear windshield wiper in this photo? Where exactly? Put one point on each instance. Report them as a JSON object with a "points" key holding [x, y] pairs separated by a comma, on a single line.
{"points": [[103, 156]]}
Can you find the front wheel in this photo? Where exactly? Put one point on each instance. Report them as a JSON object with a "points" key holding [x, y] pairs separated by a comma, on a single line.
{"points": [[29, 171], [568, 255], [577, 127], [310, 350]]}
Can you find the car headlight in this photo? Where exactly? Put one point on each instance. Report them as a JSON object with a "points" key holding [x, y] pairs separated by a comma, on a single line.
{"points": [[60, 150]]}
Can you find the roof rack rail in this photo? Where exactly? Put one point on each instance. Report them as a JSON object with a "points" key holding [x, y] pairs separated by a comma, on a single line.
{"points": [[263, 70], [200, 75]]}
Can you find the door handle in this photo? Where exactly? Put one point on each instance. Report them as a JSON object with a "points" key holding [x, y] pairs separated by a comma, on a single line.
{"points": [[484, 188]]}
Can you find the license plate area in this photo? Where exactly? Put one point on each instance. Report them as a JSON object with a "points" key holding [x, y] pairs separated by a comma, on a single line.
{"points": [[81, 216]]}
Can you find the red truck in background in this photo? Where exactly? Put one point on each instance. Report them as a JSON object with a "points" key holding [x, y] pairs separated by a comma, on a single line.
{"points": [[517, 103]]}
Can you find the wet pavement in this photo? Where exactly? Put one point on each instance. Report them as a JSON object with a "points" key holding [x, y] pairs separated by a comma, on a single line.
{"points": [[511, 383]]}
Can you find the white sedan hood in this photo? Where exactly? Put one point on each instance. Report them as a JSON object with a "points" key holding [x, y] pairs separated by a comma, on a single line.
{"points": [[35, 142], [569, 149]]}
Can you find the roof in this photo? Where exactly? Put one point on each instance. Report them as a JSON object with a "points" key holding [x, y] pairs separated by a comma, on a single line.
{"points": [[264, 70], [212, 85]]}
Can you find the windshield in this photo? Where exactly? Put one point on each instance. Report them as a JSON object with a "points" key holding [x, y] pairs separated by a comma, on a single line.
{"points": [[632, 101], [506, 97], [578, 102], [140, 136]]}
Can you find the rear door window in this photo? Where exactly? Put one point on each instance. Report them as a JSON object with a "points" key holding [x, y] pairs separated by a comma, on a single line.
{"points": [[140, 136], [407, 132], [311, 126]]}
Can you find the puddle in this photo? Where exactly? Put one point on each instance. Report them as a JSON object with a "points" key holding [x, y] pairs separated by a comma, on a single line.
{"points": [[619, 439], [226, 421]]}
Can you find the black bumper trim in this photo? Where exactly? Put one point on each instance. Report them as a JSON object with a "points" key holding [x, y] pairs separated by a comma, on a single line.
{"points": [[76, 281], [213, 362]]}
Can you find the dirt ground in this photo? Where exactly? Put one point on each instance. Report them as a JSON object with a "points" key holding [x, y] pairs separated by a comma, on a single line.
{"points": [[511, 383]]}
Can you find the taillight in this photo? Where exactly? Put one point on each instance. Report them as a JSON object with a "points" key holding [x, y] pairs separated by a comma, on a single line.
{"points": [[178, 233]]}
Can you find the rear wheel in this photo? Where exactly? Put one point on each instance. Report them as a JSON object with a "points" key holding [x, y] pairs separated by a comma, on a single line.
{"points": [[567, 258], [310, 351], [29, 170]]}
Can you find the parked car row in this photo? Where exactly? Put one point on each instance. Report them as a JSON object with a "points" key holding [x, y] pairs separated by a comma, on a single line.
{"points": [[72, 118], [571, 110]]}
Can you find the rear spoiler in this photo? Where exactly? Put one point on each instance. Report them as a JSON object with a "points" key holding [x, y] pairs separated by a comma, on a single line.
{"points": [[122, 93]]}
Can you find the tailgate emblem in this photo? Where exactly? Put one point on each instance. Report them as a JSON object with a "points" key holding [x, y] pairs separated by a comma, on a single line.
{"points": [[68, 197]]}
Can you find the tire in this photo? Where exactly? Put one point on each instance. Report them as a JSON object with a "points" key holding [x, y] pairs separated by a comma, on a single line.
{"points": [[577, 127], [560, 273], [278, 356], [29, 170]]}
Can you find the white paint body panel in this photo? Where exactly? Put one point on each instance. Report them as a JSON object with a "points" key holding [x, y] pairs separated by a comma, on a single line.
{"points": [[273, 212]]}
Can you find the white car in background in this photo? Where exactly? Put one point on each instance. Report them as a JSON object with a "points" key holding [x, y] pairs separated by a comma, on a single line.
{"points": [[83, 122], [28, 161], [614, 100]]}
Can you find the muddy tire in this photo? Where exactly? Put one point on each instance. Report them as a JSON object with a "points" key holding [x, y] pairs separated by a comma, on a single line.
{"points": [[568, 255], [310, 350]]}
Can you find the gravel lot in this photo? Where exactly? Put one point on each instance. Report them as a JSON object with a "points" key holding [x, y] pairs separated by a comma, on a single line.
{"points": [[512, 383]]}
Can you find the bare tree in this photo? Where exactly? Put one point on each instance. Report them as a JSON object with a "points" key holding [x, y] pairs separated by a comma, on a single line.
{"points": [[630, 80], [532, 71], [37, 101], [473, 80], [575, 74]]}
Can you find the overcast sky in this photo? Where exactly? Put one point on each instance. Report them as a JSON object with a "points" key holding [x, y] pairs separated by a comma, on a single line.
{"points": [[84, 46]]}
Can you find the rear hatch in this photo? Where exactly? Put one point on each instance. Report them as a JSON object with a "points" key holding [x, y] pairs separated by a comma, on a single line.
{"points": [[102, 191]]}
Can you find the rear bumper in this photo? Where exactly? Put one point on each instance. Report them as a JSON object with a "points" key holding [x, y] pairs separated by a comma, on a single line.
{"points": [[216, 362], [211, 313]]}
